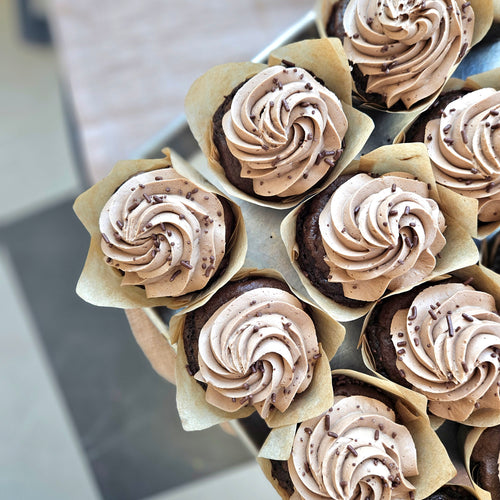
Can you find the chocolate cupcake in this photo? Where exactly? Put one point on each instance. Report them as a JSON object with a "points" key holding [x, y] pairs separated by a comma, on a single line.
{"points": [[366, 235], [158, 237], [483, 462], [442, 339], [403, 52], [462, 134], [276, 133], [254, 346], [452, 492], [365, 446]]}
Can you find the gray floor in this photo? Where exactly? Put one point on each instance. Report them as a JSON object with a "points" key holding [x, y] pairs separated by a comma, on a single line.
{"points": [[84, 415]]}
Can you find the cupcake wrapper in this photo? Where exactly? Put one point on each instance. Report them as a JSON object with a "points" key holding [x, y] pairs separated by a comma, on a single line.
{"points": [[155, 346], [470, 442], [196, 413], [434, 465], [483, 10], [100, 284], [459, 251], [325, 58], [482, 80], [484, 280]]}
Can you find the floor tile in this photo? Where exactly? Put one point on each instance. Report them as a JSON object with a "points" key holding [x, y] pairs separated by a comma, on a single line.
{"points": [[35, 154], [246, 482], [40, 456]]}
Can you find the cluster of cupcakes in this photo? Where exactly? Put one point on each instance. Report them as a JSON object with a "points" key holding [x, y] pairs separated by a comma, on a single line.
{"points": [[387, 236]]}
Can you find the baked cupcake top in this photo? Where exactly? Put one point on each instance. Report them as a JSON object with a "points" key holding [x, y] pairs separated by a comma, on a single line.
{"points": [[355, 450], [464, 146], [380, 233], [164, 233], [406, 49], [258, 349], [286, 131], [485, 460], [447, 344]]}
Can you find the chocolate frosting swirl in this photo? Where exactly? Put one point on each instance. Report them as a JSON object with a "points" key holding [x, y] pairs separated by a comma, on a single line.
{"points": [[286, 130], [464, 146], [353, 452], [380, 233], [447, 344], [164, 233], [258, 349], [407, 48]]}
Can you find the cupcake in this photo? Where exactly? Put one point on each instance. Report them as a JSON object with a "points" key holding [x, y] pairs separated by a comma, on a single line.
{"points": [[482, 449], [453, 492], [254, 345], [442, 339], [158, 237], [276, 133], [372, 443], [462, 134], [403, 52], [374, 232]]}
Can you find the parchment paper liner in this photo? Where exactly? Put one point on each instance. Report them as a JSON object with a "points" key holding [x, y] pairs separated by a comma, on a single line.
{"points": [[196, 414], [483, 279], [434, 465], [99, 283], [482, 80], [325, 58], [155, 346], [470, 441], [483, 12], [459, 251]]}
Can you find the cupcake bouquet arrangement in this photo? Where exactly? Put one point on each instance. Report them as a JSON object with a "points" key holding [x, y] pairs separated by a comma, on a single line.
{"points": [[247, 294]]}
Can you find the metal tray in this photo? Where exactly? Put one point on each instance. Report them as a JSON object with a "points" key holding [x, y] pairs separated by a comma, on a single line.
{"points": [[266, 233]]}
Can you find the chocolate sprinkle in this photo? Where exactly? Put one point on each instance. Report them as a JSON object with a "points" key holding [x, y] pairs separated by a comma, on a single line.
{"points": [[352, 450], [133, 206], [451, 331], [172, 278], [463, 50], [413, 315], [467, 317], [327, 422]]}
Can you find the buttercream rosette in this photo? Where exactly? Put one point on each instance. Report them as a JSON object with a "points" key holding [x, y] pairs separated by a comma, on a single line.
{"points": [[385, 228], [158, 236], [374, 442], [404, 51], [261, 348], [275, 133], [464, 143], [490, 458], [442, 340]]}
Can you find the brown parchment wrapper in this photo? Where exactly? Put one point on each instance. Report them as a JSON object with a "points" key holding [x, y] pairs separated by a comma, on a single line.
{"points": [[483, 11], [196, 414], [459, 251], [325, 58], [160, 353], [434, 465], [488, 79], [483, 279], [470, 442], [99, 283]]}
